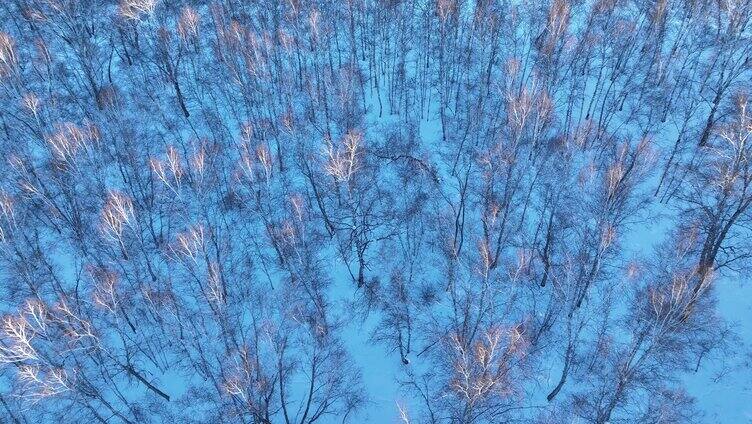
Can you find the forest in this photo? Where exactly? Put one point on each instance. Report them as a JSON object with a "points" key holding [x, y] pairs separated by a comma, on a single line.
{"points": [[375, 211]]}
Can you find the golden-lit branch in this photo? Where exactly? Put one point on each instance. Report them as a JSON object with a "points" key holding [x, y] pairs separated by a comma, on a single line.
{"points": [[40, 384], [8, 56], [189, 243], [344, 160], [117, 215], [188, 24], [558, 19], [18, 334], [215, 285], [136, 9], [484, 369], [404, 417], [7, 216], [256, 164], [105, 289], [32, 103], [69, 139]]}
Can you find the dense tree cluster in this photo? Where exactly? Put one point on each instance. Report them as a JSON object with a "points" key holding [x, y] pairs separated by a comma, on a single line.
{"points": [[204, 194]]}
